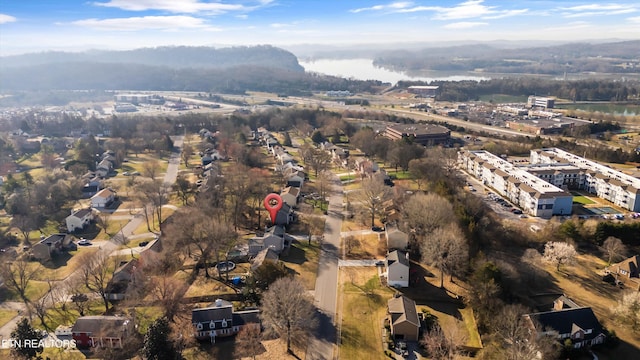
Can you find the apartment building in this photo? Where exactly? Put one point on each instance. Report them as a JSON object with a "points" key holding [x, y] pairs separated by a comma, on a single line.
{"points": [[614, 186], [534, 195]]}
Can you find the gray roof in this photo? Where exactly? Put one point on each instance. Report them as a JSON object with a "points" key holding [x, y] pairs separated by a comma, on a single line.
{"points": [[264, 255], [568, 321], [397, 256], [107, 326], [81, 213], [403, 309], [246, 317]]}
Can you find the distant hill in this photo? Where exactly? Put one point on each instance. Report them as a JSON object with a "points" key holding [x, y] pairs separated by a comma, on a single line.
{"points": [[178, 57], [618, 57]]}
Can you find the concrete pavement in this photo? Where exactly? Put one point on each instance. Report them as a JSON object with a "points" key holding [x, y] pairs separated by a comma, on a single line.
{"points": [[323, 345]]}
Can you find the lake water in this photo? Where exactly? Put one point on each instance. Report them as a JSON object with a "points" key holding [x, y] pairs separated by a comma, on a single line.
{"points": [[363, 69], [615, 109]]}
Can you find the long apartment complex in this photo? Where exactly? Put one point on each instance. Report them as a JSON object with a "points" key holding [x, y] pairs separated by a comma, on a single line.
{"points": [[531, 193], [563, 168]]}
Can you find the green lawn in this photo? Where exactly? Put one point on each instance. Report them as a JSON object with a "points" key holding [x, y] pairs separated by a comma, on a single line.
{"points": [[472, 328], [362, 314], [303, 259], [6, 315], [583, 200]]}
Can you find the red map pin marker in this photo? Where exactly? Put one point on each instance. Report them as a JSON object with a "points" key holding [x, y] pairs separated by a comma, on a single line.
{"points": [[273, 204]]}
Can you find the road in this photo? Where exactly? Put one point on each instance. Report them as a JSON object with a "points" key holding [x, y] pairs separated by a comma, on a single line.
{"points": [[323, 345], [106, 247]]}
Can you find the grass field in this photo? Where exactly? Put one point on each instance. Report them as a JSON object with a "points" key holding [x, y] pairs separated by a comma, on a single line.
{"points": [[362, 314], [303, 259], [6, 315], [583, 200]]}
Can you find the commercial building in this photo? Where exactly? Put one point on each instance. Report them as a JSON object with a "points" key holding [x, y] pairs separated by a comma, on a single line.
{"points": [[534, 195], [423, 134], [615, 186], [424, 91], [539, 101], [543, 126]]}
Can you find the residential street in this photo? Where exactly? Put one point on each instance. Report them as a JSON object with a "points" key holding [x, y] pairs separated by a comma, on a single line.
{"points": [[323, 345], [108, 247]]}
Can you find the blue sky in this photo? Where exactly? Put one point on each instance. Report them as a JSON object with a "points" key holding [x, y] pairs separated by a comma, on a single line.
{"points": [[36, 25]]}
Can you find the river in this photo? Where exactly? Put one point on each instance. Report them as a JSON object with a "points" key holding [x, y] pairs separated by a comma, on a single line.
{"points": [[363, 69]]}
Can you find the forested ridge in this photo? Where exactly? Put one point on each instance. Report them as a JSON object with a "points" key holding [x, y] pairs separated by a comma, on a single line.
{"points": [[618, 57], [178, 57], [574, 90]]}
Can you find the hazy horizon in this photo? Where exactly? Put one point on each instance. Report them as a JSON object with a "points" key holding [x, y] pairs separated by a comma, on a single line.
{"points": [[72, 25]]}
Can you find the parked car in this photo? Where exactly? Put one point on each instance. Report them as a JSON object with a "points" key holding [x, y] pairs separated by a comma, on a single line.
{"points": [[143, 243], [377, 229], [84, 242]]}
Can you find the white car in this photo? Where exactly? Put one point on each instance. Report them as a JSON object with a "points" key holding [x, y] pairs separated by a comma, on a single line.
{"points": [[84, 242]]}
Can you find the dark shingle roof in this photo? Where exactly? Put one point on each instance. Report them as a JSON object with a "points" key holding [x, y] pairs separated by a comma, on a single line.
{"points": [[397, 256], [566, 321], [246, 317], [106, 326], [403, 309]]}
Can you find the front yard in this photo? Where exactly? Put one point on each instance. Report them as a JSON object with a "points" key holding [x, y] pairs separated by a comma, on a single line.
{"points": [[303, 259], [362, 314]]}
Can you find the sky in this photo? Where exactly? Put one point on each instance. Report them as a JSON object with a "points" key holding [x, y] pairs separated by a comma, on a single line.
{"points": [[70, 25]]}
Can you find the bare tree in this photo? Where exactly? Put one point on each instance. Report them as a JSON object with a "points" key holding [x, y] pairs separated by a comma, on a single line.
{"points": [[514, 333], [628, 309], [187, 150], [96, 272], [447, 249], [614, 248], [168, 293], [249, 342], [425, 213], [183, 188], [372, 196], [151, 169], [559, 253], [443, 344], [319, 161], [287, 308], [17, 275]]}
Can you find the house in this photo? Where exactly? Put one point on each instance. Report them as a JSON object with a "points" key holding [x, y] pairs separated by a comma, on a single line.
{"points": [[102, 331], [295, 178], [79, 219], [123, 276], [103, 198], [398, 268], [103, 168], [403, 318], [627, 271], [51, 245], [396, 238], [219, 320], [274, 238], [265, 255], [285, 215], [580, 325], [92, 186], [290, 195]]}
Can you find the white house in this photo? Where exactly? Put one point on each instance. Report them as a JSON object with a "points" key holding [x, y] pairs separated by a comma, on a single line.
{"points": [[79, 219], [398, 269], [103, 198]]}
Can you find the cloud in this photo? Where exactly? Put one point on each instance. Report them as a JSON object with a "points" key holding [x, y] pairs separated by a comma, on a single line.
{"points": [[465, 10], [635, 19], [392, 6], [182, 6], [144, 23], [4, 18], [597, 10], [465, 25], [576, 25]]}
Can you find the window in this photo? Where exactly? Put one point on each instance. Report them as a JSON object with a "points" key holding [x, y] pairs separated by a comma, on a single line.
{"points": [[199, 326], [212, 325]]}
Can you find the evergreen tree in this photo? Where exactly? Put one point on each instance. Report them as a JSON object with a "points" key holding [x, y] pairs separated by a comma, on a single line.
{"points": [[27, 340], [157, 345]]}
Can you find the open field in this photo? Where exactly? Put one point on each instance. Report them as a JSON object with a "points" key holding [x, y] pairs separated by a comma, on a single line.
{"points": [[369, 246], [303, 260], [6, 315], [362, 314]]}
